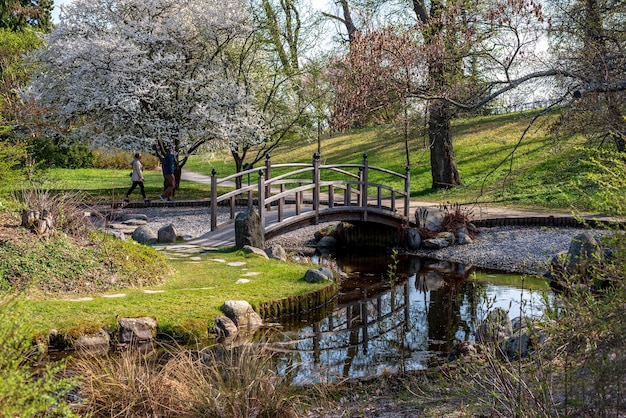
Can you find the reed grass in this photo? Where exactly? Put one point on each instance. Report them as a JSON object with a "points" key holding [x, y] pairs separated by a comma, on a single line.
{"points": [[219, 381]]}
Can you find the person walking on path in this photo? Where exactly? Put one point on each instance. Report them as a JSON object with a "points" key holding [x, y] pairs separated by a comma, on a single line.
{"points": [[137, 178], [168, 176]]}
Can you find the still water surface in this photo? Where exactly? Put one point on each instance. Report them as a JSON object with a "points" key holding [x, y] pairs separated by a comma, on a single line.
{"points": [[408, 323]]}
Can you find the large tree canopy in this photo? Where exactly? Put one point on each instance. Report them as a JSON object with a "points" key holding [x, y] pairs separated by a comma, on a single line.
{"points": [[588, 42], [127, 73], [466, 53]]}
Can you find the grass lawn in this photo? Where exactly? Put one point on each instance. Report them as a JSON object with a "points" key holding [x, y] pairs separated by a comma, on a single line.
{"points": [[496, 168], [185, 304], [107, 185]]}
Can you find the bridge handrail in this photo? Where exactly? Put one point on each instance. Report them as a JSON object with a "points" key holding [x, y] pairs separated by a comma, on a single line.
{"points": [[236, 192], [338, 168], [239, 174], [286, 175], [387, 171], [355, 185]]}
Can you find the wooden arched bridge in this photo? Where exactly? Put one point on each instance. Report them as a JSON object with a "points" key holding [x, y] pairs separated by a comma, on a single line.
{"points": [[289, 196]]}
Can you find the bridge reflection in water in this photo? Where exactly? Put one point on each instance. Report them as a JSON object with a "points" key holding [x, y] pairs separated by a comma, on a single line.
{"points": [[409, 324]]}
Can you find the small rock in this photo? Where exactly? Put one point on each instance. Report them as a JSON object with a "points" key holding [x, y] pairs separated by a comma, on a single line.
{"points": [[316, 276], [254, 250], [276, 252]]}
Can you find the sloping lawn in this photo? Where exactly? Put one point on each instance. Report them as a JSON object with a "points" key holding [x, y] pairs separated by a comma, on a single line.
{"points": [[185, 304]]}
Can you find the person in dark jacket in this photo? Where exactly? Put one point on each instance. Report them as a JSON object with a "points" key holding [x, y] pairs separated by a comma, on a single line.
{"points": [[168, 176]]}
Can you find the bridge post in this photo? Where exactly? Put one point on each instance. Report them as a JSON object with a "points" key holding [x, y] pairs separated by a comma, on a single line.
{"points": [[213, 200], [268, 175], [261, 198], [407, 191], [364, 184], [316, 188]]}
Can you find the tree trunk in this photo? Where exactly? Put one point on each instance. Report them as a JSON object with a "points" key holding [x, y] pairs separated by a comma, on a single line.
{"points": [[238, 169], [443, 166]]}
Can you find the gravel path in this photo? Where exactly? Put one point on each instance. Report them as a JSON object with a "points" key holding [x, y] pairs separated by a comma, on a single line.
{"points": [[513, 249]]}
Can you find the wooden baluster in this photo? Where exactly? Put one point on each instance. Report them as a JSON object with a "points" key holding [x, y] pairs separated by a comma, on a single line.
{"points": [[364, 186], [268, 176], [281, 204], [213, 200], [331, 196], [316, 186], [407, 191], [261, 202]]}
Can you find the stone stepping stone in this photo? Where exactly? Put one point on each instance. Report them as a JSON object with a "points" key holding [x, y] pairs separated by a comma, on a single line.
{"points": [[153, 291], [80, 299], [191, 249], [219, 260], [124, 228], [252, 273], [196, 258], [135, 222], [241, 281], [237, 263], [199, 288], [115, 295]]}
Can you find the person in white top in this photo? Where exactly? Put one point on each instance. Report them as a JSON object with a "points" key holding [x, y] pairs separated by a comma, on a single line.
{"points": [[137, 178]]}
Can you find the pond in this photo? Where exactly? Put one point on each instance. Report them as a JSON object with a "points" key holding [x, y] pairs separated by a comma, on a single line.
{"points": [[409, 322]]}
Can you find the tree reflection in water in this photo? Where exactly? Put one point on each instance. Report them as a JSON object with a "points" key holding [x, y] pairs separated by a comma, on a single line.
{"points": [[408, 323]]}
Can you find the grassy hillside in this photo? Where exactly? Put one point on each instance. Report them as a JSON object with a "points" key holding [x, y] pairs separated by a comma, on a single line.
{"points": [[496, 166]]}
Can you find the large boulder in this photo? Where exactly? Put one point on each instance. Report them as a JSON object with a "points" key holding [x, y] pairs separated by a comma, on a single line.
{"points": [[429, 217], [248, 229], [583, 250], [242, 314], [93, 344], [413, 239], [524, 340], [145, 235], [327, 242], [464, 236], [224, 327], [136, 330], [167, 234]]}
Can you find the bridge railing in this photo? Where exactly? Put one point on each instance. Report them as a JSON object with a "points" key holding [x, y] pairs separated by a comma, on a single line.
{"points": [[311, 189]]}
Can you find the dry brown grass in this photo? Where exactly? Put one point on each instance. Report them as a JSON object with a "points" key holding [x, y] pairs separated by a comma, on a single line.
{"points": [[216, 382]]}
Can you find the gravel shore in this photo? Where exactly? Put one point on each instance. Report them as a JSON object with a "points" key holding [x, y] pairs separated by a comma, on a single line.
{"points": [[512, 249]]}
